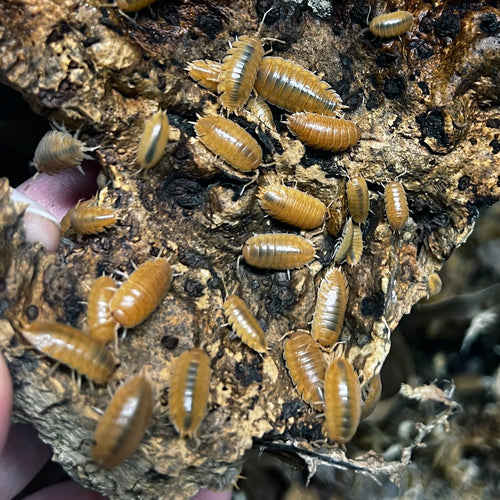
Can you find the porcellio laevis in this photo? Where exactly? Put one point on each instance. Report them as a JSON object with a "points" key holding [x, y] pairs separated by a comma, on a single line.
{"points": [[238, 71], [292, 206], [324, 132], [292, 87], [258, 107], [140, 295], [58, 151], [153, 141], [205, 73], [358, 198], [396, 205], [392, 24], [372, 397], [356, 250], [100, 322], [133, 5], [278, 251], [188, 393], [307, 367], [330, 308], [71, 347], [343, 247], [342, 401], [124, 422], [244, 323], [229, 141], [88, 218]]}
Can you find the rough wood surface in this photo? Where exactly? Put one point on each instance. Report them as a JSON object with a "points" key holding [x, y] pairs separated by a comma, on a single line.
{"points": [[427, 104]]}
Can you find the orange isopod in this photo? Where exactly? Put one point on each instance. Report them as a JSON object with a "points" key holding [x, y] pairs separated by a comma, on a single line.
{"points": [[292, 206], [153, 140], [344, 245], [229, 141], [188, 395], [71, 347], [356, 250], [59, 150], [292, 87], [124, 422], [88, 218], [342, 401], [140, 295], [278, 251], [396, 205], [238, 71], [324, 132], [133, 5], [374, 390], [258, 107], [330, 308], [307, 367], [392, 24], [100, 322], [205, 73], [244, 323], [358, 198]]}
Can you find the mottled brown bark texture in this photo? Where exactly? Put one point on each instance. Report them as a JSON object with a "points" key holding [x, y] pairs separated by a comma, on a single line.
{"points": [[427, 104]]}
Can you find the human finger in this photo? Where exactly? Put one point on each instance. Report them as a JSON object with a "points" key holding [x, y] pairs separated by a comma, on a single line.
{"points": [[5, 402]]}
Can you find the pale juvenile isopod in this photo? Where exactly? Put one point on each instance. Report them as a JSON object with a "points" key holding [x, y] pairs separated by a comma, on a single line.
{"points": [[292, 206], [330, 308], [307, 367], [140, 295], [238, 71], [244, 323], [153, 141], [205, 73], [342, 401], [133, 5], [356, 250], [88, 218], [278, 251], [344, 244], [324, 132], [396, 205], [434, 284], [100, 322], [71, 347], [58, 150], [229, 141], [258, 107], [372, 396], [292, 87], [188, 393], [124, 422], [392, 24], [358, 198]]}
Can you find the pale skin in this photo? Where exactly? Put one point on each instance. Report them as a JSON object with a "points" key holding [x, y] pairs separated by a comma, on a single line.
{"points": [[22, 454]]}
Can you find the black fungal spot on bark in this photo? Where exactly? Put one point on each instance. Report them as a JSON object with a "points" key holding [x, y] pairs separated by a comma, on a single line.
{"points": [[210, 25], [248, 373], [193, 288], [291, 409], [464, 182], [169, 342], [447, 26], [421, 48], [424, 87], [373, 101], [394, 87], [385, 60], [32, 312], [432, 125], [495, 146], [493, 123], [489, 24], [426, 25], [373, 305], [186, 193]]}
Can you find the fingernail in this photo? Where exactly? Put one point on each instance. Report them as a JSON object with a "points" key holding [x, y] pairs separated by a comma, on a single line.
{"points": [[39, 223]]}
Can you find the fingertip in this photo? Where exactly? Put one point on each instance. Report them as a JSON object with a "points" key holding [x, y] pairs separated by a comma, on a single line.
{"points": [[204, 494], [66, 489], [5, 402]]}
